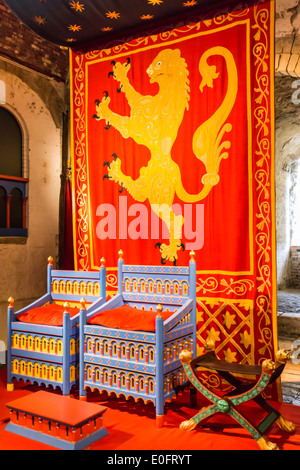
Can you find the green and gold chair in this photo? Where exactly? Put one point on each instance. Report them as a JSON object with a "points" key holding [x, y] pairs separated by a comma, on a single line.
{"points": [[243, 391]]}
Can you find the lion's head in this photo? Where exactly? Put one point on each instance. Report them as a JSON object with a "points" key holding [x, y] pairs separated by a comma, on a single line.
{"points": [[168, 68]]}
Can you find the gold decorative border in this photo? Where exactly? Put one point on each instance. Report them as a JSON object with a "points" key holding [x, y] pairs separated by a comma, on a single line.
{"points": [[79, 180], [263, 31], [211, 285], [262, 288]]}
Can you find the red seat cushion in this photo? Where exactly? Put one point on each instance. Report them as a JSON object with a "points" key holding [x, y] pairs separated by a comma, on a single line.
{"points": [[127, 318], [51, 314]]}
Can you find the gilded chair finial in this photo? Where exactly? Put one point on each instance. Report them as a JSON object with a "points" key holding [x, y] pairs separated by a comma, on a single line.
{"points": [[50, 260], [159, 310], [209, 344], [82, 302], [185, 356], [11, 302], [66, 306], [120, 255], [102, 261], [268, 366], [192, 256], [282, 356]]}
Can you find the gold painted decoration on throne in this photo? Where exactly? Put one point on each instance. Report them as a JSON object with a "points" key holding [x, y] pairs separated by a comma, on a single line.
{"points": [[154, 122]]}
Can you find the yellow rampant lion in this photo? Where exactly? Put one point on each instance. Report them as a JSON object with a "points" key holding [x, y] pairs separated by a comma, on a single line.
{"points": [[154, 122]]}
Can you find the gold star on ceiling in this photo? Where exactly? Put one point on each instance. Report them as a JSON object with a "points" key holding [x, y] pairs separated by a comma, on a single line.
{"points": [[108, 28], [190, 3], [77, 6], [155, 2], [146, 17], [112, 15], [39, 19], [74, 27]]}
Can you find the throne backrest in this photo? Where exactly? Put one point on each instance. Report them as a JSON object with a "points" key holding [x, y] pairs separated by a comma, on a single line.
{"points": [[71, 286], [155, 284]]}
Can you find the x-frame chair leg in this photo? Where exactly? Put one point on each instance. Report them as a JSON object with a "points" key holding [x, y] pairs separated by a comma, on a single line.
{"points": [[227, 404]]}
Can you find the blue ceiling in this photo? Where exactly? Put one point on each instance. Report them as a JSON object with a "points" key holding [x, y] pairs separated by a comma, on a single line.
{"points": [[87, 23]]}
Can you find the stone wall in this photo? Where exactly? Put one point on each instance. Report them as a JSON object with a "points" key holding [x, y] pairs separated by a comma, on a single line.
{"points": [[294, 280], [24, 261], [35, 74], [287, 157], [38, 105], [20, 44]]}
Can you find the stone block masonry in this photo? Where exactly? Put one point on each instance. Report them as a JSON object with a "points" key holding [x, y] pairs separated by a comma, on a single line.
{"points": [[20, 44], [295, 267]]}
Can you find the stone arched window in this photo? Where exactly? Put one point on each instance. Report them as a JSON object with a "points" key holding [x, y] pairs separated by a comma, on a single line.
{"points": [[3, 216], [16, 208], [13, 181]]}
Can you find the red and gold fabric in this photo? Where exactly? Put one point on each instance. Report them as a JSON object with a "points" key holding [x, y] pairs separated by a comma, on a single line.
{"points": [[173, 151]]}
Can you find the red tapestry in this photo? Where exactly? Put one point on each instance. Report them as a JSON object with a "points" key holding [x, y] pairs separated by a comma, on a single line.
{"points": [[173, 152]]}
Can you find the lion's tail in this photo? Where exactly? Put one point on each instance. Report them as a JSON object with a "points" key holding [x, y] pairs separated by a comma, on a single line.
{"points": [[207, 140]]}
